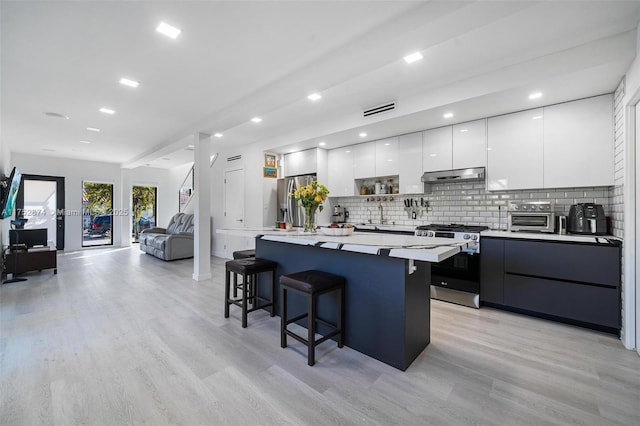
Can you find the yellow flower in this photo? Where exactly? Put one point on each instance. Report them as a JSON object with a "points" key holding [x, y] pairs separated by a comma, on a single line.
{"points": [[312, 195]]}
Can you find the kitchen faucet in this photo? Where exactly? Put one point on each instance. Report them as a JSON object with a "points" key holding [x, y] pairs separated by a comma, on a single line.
{"points": [[381, 216]]}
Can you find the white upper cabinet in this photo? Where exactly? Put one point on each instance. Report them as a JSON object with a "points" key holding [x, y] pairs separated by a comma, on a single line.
{"points": [[301, 162], [578, 143], [364, 160], [470, 144], [387, 157], [437, 149], [341, 181], [514, 151], [410, 159]]}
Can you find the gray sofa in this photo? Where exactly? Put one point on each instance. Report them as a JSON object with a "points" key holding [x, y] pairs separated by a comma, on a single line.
{"points": [[170, 243]]}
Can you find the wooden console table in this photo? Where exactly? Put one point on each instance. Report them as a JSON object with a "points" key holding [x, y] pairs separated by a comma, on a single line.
{"points": [[17, 262]]}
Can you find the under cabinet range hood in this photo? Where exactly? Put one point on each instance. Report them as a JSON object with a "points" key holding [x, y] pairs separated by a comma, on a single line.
{"points": [[476, 173], [457, 175]]}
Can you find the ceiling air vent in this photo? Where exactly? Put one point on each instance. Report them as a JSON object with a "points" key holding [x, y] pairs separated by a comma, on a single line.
{"points": [[380, 109], [234, 158]]}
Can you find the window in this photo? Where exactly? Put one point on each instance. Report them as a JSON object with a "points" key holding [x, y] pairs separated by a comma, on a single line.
{"points": [[144, 204], [97, 214]]}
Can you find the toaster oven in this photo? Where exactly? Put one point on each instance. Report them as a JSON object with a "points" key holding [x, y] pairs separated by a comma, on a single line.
{"points": [[531, 216]]}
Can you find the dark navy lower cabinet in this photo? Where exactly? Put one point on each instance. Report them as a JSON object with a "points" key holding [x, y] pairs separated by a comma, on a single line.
{"points": [[575, 283], [492, 271]]}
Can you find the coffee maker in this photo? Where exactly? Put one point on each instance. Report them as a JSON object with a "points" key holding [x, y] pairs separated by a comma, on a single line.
{"points": [[586, 218], [339, 215]]}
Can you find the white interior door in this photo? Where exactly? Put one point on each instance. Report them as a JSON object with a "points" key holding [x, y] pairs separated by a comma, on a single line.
{"points": [[234, 198], [40, 207], [234, 209]]}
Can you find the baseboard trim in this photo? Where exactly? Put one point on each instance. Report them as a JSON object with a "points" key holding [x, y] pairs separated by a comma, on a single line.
{"points": [[201, 277]]}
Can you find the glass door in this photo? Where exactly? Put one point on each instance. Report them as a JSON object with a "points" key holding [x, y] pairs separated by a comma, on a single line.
{"points": [[41, 201], [97, 214], [144, 203]]}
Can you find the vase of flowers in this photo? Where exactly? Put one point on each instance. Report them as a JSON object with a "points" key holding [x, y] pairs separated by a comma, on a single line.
{"points": [[311, 198]]}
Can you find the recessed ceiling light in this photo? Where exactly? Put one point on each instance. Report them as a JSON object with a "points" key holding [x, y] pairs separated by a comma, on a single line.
{"points": [[347, 151], [218, 135], [107, 111], [390, 159], [56, 115], [464, 130], [536, 95], [447, 115], [131, 83], [256, 119], [363, 135], [322, 143], [387, 144], [314, 97], [489, 149], [168, 30], [191, 146], [413, 57], [292, 150], [433, 155], [536, 117], [87, 142], [93, 129]]}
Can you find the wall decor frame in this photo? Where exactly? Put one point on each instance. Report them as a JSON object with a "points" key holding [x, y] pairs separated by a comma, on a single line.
{"points": [[270, 172], [270, 160]]}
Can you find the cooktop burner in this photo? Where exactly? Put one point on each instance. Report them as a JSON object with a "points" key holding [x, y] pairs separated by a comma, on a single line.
{"points": [[453, 227]]}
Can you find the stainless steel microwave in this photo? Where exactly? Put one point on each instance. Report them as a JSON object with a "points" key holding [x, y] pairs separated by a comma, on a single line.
{"points": [[531, 216]]}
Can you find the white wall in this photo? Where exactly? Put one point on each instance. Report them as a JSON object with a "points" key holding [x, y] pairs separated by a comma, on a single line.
{"points": [[166, 182], [259, 196], [630, 193], [77, 171], [176, 177]]}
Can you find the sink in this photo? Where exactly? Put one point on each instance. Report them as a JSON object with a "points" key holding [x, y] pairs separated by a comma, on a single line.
{"points": [[365, 226]]}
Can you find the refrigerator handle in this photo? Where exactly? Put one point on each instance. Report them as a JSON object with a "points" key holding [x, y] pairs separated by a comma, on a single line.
{"points": [[290, 199]]}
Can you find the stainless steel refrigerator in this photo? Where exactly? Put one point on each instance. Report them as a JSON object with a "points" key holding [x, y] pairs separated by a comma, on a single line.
{"points": [[288, 208]]}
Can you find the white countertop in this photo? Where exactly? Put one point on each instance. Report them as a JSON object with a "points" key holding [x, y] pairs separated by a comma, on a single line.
{"points": [[601, 239], [385, 227], [426, 249]]}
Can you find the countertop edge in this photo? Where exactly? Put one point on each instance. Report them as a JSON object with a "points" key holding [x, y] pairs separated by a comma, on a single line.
{"points": [[565, 238]]}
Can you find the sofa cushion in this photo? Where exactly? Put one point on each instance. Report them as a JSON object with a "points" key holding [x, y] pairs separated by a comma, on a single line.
{"points": [[180, 222]]}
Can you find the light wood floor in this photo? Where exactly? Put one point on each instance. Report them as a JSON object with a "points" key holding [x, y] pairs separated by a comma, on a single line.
{"points": [[118, 337]]}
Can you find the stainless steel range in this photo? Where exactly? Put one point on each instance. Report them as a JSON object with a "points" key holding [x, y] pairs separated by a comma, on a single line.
{"points": [[456, 279]]}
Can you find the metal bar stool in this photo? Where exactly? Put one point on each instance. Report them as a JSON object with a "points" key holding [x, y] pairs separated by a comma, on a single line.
{"points": [[249, 268], [311, 284]]}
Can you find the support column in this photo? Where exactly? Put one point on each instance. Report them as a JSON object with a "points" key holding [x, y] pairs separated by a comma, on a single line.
{"points": [[126, 200], [201, 208]]}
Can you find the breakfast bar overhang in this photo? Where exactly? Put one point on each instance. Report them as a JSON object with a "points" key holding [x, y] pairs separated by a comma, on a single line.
{"points": [[387, 302]]}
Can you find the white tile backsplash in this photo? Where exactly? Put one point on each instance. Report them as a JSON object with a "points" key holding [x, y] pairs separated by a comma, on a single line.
{"points": [[452, 203], [617, 198]]}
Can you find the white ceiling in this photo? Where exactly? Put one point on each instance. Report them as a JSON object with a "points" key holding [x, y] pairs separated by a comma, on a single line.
{"points": [[237, 60]]}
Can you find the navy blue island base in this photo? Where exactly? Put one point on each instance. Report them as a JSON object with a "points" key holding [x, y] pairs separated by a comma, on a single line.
{"points": [[387, 302]]}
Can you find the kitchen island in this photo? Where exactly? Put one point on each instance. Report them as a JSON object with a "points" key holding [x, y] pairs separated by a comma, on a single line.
{"points": [[387, 303]]}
